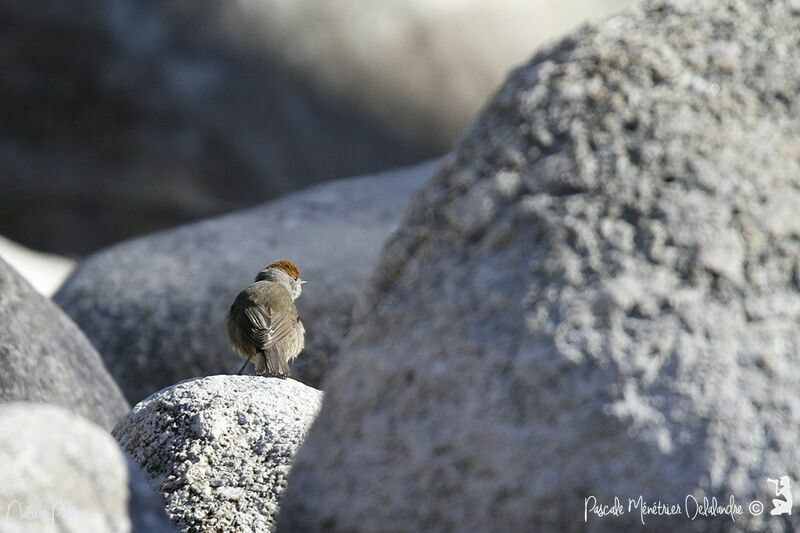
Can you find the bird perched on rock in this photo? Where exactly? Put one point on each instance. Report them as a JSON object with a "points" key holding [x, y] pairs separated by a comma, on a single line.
{"points": [[263, 324]]}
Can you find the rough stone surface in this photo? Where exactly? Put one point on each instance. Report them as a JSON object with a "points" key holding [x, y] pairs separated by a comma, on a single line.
{"points": [[155, 307], [61, 473], [125, 116], [44, 357], [596, 295], [219, 448]]}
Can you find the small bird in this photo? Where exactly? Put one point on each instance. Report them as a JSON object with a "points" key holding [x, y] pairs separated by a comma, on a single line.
{"points": [[263, 324]]}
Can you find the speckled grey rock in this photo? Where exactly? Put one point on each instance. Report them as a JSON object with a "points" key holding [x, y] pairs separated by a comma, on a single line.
{"points": [[127, 116], [61, 473], [44, 357], [155, 307], [219, 448], [596, 295]]}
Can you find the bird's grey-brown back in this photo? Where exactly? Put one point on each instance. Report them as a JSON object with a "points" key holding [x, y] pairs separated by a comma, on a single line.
{"points": [[263, 324]]}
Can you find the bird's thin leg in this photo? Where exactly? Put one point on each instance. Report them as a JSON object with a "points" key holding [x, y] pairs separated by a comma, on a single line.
{"points": [[239, 373]]}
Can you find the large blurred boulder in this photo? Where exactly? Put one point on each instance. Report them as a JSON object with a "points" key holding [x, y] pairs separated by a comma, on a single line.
{"points": [[44, 357], [219, 448], [61, 473], [597, 295], [155, 307], [421, 67], [122, 116]]}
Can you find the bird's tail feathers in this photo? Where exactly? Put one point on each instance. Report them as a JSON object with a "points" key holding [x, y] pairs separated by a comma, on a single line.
{"points": [[275, 365]]}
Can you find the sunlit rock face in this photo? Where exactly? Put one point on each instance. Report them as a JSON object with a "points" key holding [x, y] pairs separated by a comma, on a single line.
{"points": [[219, 448], [596, 295]]}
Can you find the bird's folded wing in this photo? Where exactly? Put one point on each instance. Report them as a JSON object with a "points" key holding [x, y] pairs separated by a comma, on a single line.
{"points": [[264, 328]]}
